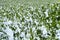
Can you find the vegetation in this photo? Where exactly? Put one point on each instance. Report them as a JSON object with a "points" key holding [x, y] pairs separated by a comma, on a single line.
{"points": [[30, 22]]}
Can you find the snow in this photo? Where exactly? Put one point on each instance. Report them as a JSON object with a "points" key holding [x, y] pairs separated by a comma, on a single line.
{"points": [[9, 33], [7, 23], [58, 34]]}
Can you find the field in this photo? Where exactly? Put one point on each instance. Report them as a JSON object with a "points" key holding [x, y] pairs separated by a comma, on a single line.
{"points": [[29, 20], [35, 3]]}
